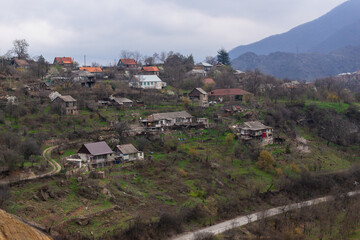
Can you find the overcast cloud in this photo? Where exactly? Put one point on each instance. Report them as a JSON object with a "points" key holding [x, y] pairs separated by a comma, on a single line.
{"points": [[101, 29]]}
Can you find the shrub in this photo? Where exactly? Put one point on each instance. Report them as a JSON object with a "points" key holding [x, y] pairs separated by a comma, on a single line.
{"points": [[265, 161], [194, 154], [279, 172], [204, 236], [182, 172], [229, 139]]}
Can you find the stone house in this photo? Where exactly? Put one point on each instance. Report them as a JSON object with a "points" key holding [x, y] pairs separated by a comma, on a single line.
{"points": [[67, 104], [97, 154], [200, 96]]}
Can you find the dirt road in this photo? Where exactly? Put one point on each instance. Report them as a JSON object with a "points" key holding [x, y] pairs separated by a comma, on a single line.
{"points": [[56, 168]]}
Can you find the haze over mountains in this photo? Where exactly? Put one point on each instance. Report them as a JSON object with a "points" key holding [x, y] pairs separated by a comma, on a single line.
{"points": [[326, 46]]}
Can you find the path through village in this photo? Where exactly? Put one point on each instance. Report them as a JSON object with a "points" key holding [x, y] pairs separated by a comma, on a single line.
{"points": [[56, 168]]}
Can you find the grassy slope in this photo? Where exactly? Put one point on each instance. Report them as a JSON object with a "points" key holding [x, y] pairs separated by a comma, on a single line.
{"points": [[203, 167]]}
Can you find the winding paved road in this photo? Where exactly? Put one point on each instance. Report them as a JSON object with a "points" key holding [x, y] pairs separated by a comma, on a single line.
{"points": [[244, 220], [56, 168]]}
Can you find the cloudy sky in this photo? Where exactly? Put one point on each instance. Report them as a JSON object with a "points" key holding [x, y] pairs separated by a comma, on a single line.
{"points": [[102, 29]]}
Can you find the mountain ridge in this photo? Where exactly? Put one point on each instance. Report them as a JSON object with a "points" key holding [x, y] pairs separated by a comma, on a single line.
{"points": [[303, 66], [310, 36]]}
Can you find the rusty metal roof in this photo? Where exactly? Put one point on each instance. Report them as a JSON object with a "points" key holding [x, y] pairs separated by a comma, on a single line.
{"points": [[97, 148], [127, 148]]}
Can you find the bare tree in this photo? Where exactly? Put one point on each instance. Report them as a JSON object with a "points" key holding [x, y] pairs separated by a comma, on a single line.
{"points": [[211, 60], [162, 57], [125, 54], [156, 57], [148, 60], [21, 48], [137, 56]]}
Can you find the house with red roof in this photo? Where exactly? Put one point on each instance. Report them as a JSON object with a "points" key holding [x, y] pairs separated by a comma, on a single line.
{"points": [[64, 61], [127, 63], [230, 94], [92, 69], [150, 70], [96, 71]]}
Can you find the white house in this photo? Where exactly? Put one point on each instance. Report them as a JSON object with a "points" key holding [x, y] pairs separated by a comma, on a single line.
{"points": [[147, 82]]}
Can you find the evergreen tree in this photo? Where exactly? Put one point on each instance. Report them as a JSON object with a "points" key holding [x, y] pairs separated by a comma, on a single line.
{"points": [[223, 57]]}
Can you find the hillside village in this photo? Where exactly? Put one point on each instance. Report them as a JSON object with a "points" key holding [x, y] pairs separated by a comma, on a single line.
{"points": [[150, 148]]}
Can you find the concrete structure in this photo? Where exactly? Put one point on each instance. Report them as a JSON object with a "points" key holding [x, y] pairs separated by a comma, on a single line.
{"points": [[169, 119]]}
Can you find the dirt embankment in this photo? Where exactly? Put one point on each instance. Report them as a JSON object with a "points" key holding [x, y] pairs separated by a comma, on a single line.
{"points": [[11, 228]]}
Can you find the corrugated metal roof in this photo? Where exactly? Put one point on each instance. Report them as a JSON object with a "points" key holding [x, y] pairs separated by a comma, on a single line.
{"points": [[21, 62], [169, 115], [54, 95], [150, 69], [147, 78], [64, 60], [205, 64], [122, 100], [253, 125], [127, 148], [67, 98], [91, 69], [98, 148], [202, 91], [129, 61], [228, 92]]}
